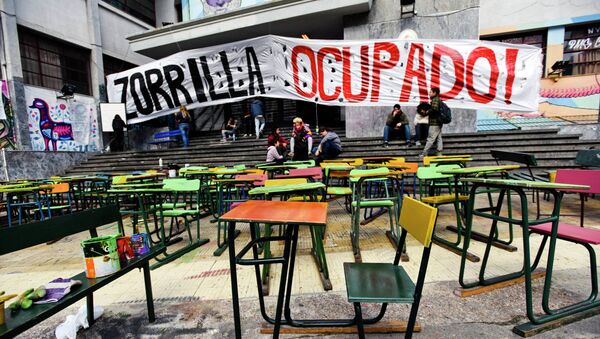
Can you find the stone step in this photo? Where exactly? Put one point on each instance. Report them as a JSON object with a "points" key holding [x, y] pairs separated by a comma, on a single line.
{"points": [[348, 147], [261, 143]]}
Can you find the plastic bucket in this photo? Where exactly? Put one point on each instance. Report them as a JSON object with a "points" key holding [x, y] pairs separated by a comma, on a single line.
{"points": [[101, 256]]}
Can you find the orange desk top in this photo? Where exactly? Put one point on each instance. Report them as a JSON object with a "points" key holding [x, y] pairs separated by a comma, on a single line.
{"points": [[279, 212]]}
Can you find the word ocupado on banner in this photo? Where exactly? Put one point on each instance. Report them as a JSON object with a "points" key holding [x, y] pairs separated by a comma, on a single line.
{"points": [[470, 74]]}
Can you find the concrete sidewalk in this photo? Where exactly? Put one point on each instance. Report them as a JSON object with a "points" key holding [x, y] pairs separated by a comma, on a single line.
{"points": [[193, 293]]}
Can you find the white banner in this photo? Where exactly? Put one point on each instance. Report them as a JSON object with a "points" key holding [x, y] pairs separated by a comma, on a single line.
{"points": [[470, 74]]}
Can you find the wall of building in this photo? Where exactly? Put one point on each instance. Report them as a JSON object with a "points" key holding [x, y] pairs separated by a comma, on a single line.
{"points": [[115, 25], [165, 12], [570, 100], [51, 18], [37, 165], [497, 17], [438, 19]]}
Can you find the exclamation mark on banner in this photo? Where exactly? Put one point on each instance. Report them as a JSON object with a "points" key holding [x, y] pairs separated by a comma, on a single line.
{"points": [[511, 60]]}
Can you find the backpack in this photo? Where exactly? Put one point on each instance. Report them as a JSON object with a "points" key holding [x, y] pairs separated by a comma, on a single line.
{"points": [[445, 113]]}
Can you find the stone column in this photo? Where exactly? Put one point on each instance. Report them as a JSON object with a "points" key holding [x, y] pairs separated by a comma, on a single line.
{"points": [[436, 19], [96, 61]]}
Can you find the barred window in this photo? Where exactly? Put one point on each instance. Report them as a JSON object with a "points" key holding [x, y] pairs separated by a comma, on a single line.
{"points": [[51, 63]]}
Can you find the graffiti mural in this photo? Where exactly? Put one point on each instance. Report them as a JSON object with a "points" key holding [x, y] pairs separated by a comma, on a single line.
{"points": [[195, 9], [567, 100], [61, 125], [7, 135]]}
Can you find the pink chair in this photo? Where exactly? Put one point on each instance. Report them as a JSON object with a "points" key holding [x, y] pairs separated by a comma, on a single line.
{"points": [[580, 177], [314, 173]]}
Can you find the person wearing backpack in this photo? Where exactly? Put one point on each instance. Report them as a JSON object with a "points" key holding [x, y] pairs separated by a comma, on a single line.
{"points": [[439, 114]]}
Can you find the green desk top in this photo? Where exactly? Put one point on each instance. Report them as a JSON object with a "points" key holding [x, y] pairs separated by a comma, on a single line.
{"points": [[286, 188], [25, 189], [526, 184], [336, 167], [478, 169]]}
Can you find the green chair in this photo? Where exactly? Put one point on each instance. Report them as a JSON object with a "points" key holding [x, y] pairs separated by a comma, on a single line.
{"points": [[335, 178], [389, 283], [185, 204], [373, 188]]}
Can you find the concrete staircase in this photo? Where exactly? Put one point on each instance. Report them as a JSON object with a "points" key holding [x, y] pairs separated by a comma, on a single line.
{"points": [[552, 150]]}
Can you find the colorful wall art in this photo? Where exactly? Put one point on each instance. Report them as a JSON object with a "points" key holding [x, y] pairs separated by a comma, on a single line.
{"points": [[196, 9], [7, 135], [61, 124]]}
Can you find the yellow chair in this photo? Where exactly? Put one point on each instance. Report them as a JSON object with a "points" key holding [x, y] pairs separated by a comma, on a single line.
{"points": [[388, 282]]}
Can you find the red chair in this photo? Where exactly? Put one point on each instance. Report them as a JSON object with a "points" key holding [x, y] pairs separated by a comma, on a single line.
{"points": [[312, 173]]}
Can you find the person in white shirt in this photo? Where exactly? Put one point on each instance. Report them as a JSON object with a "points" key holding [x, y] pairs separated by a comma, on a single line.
{"points": [[422, 123], [272, 154]]}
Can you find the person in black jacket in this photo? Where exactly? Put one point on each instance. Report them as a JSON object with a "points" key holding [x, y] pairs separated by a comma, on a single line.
{"points": [[119, 135]]}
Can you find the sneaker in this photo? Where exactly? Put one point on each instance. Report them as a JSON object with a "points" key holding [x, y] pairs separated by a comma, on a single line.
{"points": [[223, 140], [386, 145], [245, 135], [408, 144], [418, 143], [438, 154], [290, 155], [421, 156]]}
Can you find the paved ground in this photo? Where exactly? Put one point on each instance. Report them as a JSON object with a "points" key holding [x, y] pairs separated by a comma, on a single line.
{"points": [[192, 294]]}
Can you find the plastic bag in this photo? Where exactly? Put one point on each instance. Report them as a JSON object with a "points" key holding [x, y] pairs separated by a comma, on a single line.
{"points": [[68, 329]]}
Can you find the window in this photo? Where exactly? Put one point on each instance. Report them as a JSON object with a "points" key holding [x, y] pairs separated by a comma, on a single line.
{"points": [[582, 49], [114, 65], [141, 9], [537, 39], [51, 63]]}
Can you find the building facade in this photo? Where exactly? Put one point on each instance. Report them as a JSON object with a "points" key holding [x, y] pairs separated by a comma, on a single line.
{"points": [[569, 34], [207, 23], [49, 44]]}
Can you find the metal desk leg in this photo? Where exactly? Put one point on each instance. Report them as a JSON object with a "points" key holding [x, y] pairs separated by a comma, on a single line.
{"points": [[234, 288]]}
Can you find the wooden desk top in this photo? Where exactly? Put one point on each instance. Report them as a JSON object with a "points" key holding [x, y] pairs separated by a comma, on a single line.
{"points": [[279, 212]]}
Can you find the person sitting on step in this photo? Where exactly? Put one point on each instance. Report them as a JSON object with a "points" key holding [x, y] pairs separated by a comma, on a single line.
{"points": [[396, 123], [276, 136], [229, 129], [272, 152], [301, 141]]}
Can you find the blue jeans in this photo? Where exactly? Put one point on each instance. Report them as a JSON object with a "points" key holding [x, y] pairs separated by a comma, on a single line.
{"points": [[184, 128], [421, 131], [228, 133], [329, 151], [388, 132]]}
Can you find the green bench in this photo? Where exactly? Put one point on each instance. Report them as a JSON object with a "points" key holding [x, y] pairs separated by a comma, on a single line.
{"points": [[20, 237], [588, 158]]}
